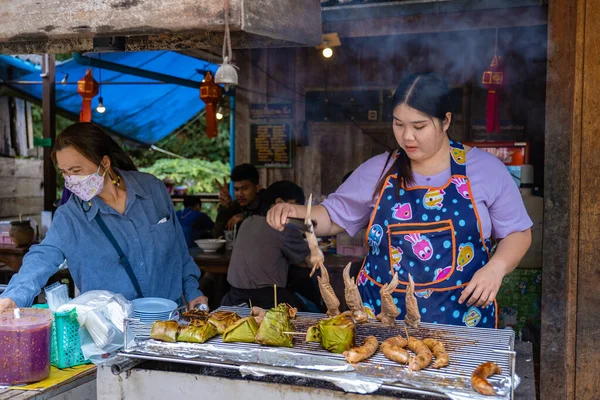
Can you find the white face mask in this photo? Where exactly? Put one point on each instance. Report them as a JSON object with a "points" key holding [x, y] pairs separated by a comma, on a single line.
{"points": [[86, 187]]}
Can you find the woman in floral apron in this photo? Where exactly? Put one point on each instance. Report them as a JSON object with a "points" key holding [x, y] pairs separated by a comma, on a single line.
{"points": [[430, 209]]}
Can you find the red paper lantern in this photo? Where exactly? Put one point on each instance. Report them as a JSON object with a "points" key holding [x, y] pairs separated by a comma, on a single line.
{"points": [[210, 94], [493, 80], [87, 88]]}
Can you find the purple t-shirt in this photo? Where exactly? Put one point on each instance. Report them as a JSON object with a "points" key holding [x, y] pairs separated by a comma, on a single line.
{"points": [[496, 195]]}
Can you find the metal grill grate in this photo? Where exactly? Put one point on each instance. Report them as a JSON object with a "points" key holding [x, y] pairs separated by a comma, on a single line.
{"points": [[466, 347]]}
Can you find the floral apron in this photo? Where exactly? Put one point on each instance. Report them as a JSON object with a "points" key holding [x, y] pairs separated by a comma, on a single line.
{"points": [[435, 235]]}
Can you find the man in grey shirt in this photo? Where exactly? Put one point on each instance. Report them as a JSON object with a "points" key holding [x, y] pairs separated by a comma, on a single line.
{"points": [[262, 255]]}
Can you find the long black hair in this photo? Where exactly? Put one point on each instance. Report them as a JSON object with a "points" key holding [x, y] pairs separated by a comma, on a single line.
{"points": [[427, 93]]}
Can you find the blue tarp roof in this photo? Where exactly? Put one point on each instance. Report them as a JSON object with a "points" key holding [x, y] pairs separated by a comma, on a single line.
{"points": [[144, 111]]}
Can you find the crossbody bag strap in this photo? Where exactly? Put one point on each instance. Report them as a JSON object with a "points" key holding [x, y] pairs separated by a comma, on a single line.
{"points": [[122, 257]]}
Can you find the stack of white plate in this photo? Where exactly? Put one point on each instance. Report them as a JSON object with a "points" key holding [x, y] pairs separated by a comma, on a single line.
{"points": [[150, 309]]}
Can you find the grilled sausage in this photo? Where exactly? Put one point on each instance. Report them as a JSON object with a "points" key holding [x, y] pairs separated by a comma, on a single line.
{"points": [[422, 357], [438, 350], [479, 378], [394, 349], [358, 354]]}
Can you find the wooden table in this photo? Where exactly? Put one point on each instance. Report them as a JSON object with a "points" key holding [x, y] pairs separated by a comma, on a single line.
{"points": [[82, 386], [12, 255]]}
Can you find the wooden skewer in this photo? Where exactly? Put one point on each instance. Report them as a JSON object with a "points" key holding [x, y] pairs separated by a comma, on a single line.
{"points": [[250, 301], [295, 333], [275, 294]]}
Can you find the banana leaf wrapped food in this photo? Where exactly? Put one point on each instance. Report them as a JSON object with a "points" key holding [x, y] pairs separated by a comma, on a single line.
{"points": [[197, 334], [275, 322], [243, 330], [165, 331], [222, 320], [195, 317], [335, 334]]}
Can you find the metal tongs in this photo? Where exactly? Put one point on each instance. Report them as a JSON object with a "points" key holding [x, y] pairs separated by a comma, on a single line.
{"points": [[298, 224]]}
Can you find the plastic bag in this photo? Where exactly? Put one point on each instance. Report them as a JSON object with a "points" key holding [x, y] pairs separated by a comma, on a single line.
{"points": [[102, 314]]}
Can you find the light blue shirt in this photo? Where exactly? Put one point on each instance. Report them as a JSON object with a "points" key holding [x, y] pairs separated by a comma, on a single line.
{"points": [[148, 233]]}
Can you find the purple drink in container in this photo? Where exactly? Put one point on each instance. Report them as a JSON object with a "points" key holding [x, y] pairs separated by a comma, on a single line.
{"points": [[25, 346]]}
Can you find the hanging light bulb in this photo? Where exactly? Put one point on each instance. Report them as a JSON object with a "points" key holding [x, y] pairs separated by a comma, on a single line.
{"points": [[100, 107], [220, 113], [327, 51]]}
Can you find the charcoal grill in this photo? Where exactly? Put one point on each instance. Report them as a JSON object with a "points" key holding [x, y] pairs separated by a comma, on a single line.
{"points": [[466, 347]]}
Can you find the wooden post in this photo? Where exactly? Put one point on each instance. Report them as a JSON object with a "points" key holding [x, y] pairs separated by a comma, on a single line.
{"points": [[570, 291], [49, 129], [587, 383]]}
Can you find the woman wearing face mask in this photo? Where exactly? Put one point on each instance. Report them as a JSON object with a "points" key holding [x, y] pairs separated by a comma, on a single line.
{"points": [[430, 208], [118, 231]]}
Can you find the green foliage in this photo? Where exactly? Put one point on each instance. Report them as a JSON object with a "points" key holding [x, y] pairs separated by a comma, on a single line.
{"points": [[38, 121], [196, 174], [190, 142]]}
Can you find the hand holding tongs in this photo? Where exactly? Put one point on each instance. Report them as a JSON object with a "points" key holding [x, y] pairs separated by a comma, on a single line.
{"points": [[298, 224]]}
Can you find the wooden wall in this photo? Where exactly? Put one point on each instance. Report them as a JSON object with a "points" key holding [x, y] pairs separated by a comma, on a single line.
{"points": [[22, 187], [571, 282], [21, 179], [325, 151]]}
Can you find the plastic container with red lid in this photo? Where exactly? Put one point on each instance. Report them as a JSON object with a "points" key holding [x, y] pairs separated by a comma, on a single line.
{"points": [[25, 346]]}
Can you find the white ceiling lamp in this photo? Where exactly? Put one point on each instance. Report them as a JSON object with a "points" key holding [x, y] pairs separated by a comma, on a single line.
{"points": [[100, 108], [330, 40], [226, 74]]}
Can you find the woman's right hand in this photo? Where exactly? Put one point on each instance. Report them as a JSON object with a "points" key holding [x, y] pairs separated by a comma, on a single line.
{"points": [[279, 213], [7, 304]]}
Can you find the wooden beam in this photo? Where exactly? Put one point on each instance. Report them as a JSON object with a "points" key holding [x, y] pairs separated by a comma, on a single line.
{"points": [[49, 129], [562, 190], [587, 382], [446, 22], [146, 26]]}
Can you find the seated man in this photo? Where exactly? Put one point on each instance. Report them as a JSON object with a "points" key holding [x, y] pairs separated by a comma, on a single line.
{"points": [[247, 195], [195, 224], [262, 255]]}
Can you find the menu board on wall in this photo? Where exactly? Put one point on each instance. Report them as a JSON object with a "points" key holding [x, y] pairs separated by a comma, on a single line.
{"points": [[271, 135], [271, 145]]}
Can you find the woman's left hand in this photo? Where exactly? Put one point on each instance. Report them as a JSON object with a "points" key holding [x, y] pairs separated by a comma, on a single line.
{"points": [[197, 301], [483, 286]]}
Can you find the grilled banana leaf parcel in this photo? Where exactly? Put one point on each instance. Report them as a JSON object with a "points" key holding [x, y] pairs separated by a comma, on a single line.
{"points": [[197, 334], [222, 320], [275, 322], [243, 330], [165, 331], [335, 334], [195, 317]]}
